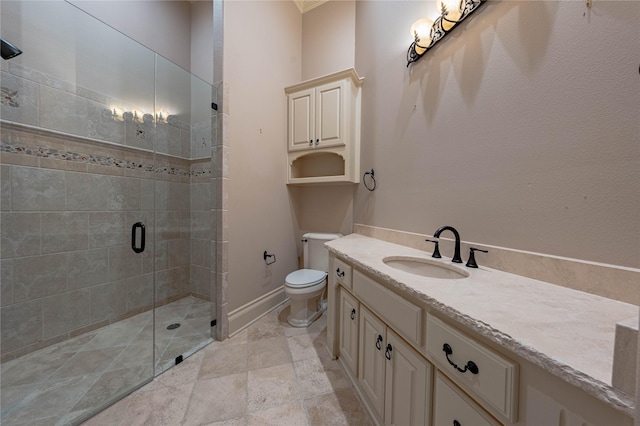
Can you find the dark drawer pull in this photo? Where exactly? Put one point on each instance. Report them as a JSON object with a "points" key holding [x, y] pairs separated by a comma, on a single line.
{"points": [[471, 366], [379, 342], [353, 314], [456, 423], [387, 353], [339, 273]]}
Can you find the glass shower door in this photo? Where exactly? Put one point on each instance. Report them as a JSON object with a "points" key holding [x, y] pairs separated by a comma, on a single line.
{"points": [[183, 214], [77, 174]]}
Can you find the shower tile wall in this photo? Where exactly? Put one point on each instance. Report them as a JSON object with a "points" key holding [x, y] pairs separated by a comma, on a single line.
{"points": [[68, 204]]}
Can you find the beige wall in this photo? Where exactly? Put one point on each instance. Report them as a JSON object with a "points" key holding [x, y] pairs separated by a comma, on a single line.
{"points": [[261, 57], [520, 129], [328, 39]]}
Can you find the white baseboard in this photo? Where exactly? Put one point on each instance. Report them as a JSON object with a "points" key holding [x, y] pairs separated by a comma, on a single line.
{"points": [[244, 316]]}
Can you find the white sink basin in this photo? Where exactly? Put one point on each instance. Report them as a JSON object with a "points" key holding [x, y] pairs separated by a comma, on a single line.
{"points": [[425, 267]]}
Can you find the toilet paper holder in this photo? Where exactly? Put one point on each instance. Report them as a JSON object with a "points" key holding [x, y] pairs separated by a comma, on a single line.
{"points": [[267, 256]]}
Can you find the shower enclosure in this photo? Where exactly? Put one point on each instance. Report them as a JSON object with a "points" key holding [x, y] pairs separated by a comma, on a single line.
{"points": [[105, 215]]}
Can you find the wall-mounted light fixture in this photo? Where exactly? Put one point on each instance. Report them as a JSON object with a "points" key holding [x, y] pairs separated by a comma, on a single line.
{"points": [[162, 116], [426, 32], [136, 116], [117, 114]]}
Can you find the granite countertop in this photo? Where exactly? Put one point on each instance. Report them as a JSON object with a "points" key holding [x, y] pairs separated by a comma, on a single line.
{"points": [[566, 332]]}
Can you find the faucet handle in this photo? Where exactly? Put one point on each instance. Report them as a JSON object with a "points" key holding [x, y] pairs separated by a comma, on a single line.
{"points": [[471, 263], [436, 250]]}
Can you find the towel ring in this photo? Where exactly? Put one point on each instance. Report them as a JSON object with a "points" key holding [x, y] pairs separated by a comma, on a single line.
{"points": [[372, 185]]}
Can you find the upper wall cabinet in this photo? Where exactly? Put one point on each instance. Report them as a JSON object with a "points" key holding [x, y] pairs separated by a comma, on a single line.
{"points": [[324, 129]]}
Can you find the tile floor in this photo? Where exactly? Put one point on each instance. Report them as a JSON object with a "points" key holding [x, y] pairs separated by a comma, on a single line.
{"points": [[69, 380], [268, 374]]}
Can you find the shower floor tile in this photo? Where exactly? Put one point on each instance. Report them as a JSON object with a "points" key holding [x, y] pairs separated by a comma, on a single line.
{"points": [[270, 373], [69, 380]]}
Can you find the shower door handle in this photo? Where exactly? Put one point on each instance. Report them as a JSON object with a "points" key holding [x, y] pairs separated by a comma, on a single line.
{"points": [[134, 245]]}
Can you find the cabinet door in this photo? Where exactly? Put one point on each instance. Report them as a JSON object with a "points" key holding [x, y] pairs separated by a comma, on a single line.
{"points": [[302, 120], [371, 362], [349, 330], [330, 115], [407, 384]]}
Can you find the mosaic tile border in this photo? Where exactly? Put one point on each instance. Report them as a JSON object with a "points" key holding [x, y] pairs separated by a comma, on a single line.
{"points": [[76, 157]]}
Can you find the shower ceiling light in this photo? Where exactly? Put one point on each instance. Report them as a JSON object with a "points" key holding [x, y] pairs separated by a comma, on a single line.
{"points": [[427, 33]]}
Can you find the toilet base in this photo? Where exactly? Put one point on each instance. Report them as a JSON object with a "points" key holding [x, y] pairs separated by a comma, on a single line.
{"points": [[303, 313], [300, 323]]}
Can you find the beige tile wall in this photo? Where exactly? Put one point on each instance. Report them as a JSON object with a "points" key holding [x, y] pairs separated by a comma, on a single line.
{"points": [[67, 206]]}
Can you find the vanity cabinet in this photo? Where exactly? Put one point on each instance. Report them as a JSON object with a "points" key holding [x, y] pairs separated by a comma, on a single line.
{"points": [[411, 363], [394, 378], [323, 129]]}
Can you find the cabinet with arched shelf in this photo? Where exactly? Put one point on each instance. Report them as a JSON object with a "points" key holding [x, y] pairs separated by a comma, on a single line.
{"points": [[323, 129]]}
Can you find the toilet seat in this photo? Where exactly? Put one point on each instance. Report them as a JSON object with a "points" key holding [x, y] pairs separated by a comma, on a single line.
{"points": [[305, 278]]}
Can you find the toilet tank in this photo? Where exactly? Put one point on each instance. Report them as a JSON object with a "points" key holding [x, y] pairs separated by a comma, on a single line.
{"points": [[315, 254]]}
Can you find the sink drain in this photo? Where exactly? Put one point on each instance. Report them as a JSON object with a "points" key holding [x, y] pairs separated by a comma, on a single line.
{"points": [[173, 326]]}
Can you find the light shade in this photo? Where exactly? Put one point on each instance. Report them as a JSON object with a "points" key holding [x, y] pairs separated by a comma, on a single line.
{"points": [[451, 11], [421, 32]]}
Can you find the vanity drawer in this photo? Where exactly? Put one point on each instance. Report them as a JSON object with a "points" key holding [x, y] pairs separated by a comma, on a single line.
{"points": [[342, 273], [486, 375], [402, 315], [452, 407]]}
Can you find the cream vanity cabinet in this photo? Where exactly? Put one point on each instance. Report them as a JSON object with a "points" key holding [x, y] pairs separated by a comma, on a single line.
{"points": [[323, 129], [414, 366]]}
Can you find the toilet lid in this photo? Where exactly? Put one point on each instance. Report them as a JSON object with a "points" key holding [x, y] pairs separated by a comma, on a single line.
{"points": [[305, 278]]}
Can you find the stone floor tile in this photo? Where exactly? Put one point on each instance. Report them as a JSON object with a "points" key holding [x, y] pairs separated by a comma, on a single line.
{"points": [[221, 398], [88, 362], [111, 416], [165, 406], [265, 328], [268, 352], [317, 376], [271, 386], [223, 361], [292, 414], [305, 346], [342, 408]]}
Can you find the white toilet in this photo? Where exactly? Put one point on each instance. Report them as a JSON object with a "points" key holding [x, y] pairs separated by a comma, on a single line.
{"points": [[305, 287]]}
